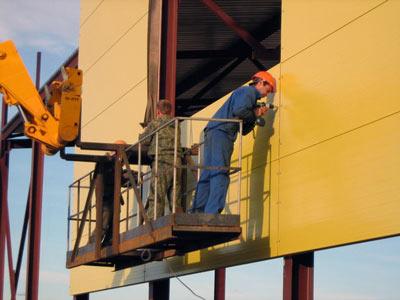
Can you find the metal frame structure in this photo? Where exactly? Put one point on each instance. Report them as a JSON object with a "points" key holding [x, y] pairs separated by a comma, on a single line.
{"points": [[33, 213], [298, 270]]}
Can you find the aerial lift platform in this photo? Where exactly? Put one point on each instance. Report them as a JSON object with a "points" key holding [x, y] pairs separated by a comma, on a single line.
{"points": [[147, 240]]}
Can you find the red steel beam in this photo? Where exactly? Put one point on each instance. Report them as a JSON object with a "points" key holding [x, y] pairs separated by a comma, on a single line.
{"points": [[9, 251], [81, 297], [259, 49], [219, 284], [22, 242], [3, 195], [159, 290], [170, 74], [35, 212], [298, 277]]}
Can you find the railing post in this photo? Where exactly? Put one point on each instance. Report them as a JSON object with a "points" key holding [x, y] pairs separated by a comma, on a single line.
{"points": [[117, 197], [99, 192], [155, 206], [175, 166], [240, 165]]}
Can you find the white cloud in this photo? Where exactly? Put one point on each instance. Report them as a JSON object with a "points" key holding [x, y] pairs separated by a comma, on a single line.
{"points": [[45, 24]]}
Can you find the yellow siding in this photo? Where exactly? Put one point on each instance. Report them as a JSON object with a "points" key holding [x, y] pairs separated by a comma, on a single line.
{"points": [[324, 172], [113, 56], [339, 143], [308, 21]]}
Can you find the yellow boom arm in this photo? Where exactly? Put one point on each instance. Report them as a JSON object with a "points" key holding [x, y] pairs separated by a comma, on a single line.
{"points": [[54, 125]]}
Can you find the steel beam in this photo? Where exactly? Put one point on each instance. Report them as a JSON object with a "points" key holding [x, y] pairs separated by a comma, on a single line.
{"points": [[3, 194], [35, 212], [22, 242], [298, 277], [159, 290], [81, 297], [219, 77], [258, 48], [273, 54], [219, 284], [171, 47], [263, 31], [3, 217]]}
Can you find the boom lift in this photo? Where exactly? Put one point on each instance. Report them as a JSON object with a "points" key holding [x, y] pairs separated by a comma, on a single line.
{"points": [[54, 124]]}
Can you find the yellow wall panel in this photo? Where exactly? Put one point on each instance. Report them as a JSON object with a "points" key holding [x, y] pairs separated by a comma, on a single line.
{"points": [[120, 76], [344, 81], [322, 173], [305, 22], [258, 206], [87, 9], [110, 22], [343, 190]]}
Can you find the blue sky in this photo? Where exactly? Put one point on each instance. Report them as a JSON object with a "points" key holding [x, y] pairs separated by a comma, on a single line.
{"points": [[368, 271]]}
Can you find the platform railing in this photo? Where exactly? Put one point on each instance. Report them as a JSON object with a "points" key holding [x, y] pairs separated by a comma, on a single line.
{"points": [[138, 181], [176, 121]]}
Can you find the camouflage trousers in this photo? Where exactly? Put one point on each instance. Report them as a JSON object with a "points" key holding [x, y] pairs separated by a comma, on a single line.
{"points": [[165, 181]]}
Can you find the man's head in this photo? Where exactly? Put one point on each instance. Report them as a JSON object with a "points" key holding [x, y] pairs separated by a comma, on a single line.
{"points": [[120, 142], [164, 107], [264, 82]]}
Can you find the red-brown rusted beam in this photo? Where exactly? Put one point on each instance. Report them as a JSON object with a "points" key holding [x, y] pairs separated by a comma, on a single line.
{"points": [[3, 194], [259, 49], [219, 284], [4, 184], [81, 297], [172, 36], [9, 252], [159, 290], [298, 277], [35, 212], [22, 242]]}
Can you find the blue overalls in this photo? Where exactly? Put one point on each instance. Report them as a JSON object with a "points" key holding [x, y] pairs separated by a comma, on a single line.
{"points": [[219, 138]]}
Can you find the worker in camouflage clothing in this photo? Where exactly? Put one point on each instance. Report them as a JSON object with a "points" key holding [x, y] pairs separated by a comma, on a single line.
{"points": [[165, 166]]}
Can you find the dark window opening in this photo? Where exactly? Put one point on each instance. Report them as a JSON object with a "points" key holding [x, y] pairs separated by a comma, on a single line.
{"points": [[212, 59]]}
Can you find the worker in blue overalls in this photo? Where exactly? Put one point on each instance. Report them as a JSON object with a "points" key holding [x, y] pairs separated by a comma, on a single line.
{"points": [[219, 138]]}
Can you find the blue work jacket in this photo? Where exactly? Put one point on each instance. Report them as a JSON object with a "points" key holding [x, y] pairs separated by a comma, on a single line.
{"points": [[240, 105]]}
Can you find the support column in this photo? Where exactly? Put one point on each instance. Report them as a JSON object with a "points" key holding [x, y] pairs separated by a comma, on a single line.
{"points": [[171, 45], [35, 213], [219, 284], [298, 277], [81, 297], [3, 194], [159, 290]]}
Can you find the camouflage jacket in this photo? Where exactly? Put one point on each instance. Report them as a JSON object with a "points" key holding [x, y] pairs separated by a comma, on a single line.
{"points": [[165, 137]]}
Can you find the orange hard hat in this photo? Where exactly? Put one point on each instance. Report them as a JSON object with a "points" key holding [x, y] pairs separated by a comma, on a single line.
{"points": [[265, 76], [120, 142]]}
